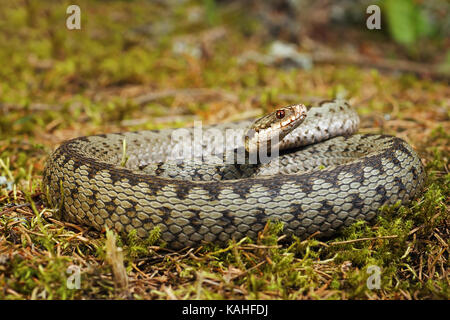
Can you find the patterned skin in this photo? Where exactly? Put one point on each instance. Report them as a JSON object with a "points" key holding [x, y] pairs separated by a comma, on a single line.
{"points": [[197, 201]]}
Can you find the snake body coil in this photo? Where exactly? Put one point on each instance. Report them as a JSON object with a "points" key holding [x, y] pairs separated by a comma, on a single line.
{"points": [[323, 182]]}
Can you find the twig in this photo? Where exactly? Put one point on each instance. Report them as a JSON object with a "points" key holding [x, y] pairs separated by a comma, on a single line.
{"points": [[6, 107], [363, 239], [420, 69], [15, 207], [248, 270], [192, 92]]}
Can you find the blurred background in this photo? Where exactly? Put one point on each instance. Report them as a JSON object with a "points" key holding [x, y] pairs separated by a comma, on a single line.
{"points": [[140, 64]]}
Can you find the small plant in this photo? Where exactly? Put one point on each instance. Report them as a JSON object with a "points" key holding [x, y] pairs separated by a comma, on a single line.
{"points": [[408, 22]]}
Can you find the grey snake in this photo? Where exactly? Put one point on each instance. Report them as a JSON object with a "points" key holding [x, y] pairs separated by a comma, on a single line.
{"points": [[324, 177]]}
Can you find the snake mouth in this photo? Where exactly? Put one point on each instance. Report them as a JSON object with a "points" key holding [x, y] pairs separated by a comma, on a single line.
{"points": [[295, 116], [275, 125], [299, 114]]}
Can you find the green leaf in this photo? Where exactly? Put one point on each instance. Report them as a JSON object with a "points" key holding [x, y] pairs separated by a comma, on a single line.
{"points": [[401, 18], [407, 21]]}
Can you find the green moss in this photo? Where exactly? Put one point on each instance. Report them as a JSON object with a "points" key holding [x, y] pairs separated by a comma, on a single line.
{"points": [[137, 247]]}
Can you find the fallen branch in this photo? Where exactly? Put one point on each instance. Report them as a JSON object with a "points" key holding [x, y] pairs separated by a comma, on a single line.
{"points": [[420, 69], [190, 92]]}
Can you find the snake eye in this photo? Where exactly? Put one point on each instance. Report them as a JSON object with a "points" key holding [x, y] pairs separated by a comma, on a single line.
{"points": [[280, 114]]}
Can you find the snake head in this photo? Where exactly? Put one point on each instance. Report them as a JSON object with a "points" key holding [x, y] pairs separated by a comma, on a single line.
{"points": [[275, 125]]}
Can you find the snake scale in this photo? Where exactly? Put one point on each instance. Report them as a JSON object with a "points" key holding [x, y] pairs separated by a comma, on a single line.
{"points": [[324, 178]]}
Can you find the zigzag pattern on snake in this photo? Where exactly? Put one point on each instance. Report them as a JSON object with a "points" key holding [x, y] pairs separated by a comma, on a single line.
{"points": [[325, 178]]}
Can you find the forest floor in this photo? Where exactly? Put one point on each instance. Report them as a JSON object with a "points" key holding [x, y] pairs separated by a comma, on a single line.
{"points": [[124, 73]]}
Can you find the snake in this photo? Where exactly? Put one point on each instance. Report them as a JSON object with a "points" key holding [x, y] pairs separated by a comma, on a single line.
{"points": [[306, 167]]}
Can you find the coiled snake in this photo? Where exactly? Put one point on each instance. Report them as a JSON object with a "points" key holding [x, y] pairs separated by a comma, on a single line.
{"points": [[324, 178]]}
